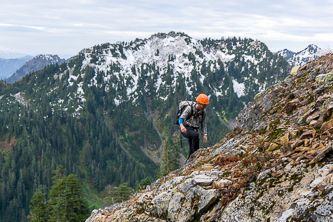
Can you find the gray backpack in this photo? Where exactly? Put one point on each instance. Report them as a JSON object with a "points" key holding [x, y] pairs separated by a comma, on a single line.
{"points": [[181, 107]]}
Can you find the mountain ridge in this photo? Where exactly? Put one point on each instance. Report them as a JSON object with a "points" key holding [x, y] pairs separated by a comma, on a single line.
{"points": [[302, 57], [293, 58], [36, 63]]}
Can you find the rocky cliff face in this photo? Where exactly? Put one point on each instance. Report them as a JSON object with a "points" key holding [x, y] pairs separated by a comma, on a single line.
{"points": [[276, 164]]}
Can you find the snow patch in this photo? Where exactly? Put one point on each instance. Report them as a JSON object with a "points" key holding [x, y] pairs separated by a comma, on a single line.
{"points": [[239, 88], [19, 98]]}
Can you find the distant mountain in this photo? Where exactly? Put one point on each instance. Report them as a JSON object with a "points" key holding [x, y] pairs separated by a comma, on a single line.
{"points": [[302, 57], [36, 63], [12, 55], [285, 53], [9, 66]]}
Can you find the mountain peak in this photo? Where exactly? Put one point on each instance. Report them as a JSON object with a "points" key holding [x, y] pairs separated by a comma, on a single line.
{"points": [[286, 53], [312, 49], [170, 34], [36, 63], [302, 57]]}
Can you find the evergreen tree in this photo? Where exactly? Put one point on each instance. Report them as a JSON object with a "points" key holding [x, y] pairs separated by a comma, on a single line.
{"points": [[76, 206], [66, 202], [143, 183], [38, 207], [56, 203], [170, 156], [119, 194]]}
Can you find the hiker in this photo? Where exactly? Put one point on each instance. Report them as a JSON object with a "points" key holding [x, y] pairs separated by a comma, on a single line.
{"points": [[191, 119]]}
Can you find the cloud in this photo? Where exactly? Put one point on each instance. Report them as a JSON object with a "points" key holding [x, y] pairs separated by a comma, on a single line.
{"points": [[100, 21]]}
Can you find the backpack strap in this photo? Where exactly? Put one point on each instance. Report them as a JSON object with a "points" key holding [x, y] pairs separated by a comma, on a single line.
{"points": [[191, 105]]}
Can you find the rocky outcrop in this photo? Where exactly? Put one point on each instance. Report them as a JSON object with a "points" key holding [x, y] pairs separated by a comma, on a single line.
{"points": [[275, 165]]}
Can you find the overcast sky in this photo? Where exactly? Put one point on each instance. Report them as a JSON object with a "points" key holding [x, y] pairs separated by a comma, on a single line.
{"points": [[65, 27]]}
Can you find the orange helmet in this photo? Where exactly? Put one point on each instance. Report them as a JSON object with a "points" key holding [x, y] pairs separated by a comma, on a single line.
{"points": [[203, 99]]}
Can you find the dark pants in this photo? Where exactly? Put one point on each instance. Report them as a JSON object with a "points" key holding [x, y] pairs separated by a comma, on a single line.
{"points": [[193, 139]]}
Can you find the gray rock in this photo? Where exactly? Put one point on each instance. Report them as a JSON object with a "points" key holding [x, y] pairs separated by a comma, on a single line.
{"points": [[175, 206], [161, 204], [207, 197], [187, 185], [170, 184], [229, 145], [203, 180]]}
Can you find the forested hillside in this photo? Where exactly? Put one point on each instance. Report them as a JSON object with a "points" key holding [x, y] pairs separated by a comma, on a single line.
{"points": [[107, 114]]}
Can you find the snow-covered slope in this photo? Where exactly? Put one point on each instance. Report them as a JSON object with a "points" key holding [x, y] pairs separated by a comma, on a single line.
{"points": [[175, 56], [302, 57], [152, 75]]}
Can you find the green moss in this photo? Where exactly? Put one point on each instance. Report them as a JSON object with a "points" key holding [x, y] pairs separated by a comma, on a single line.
{"points": [[327, 78], [271, 182], [262, 131], [301, 80], [290, 97], [251, 211], [227, 173], [325, 192], [277, 121], [329, 89], [200, 164], [242, 155], [269, 209], [290, 189], [306, 73], [261, 194], [258, 166], [311, 209], [287, 122], [275, 134], [296, 179]]}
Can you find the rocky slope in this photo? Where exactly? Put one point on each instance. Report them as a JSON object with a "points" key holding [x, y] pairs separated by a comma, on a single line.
{"points": [[275, 165]]}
